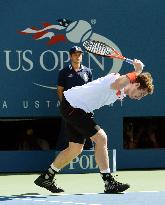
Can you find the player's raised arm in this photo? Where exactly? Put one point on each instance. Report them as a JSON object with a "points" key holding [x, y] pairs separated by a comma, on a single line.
{"points": [[128, 78]]}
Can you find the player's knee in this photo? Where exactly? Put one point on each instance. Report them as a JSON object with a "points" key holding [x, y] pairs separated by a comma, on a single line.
{"points": [[100, 138]]}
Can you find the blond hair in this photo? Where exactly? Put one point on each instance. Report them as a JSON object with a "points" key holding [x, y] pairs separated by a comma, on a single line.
{"points": [[146, 82]]}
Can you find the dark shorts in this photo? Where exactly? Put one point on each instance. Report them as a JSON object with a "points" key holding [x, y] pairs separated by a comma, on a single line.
{"points": [[79, 124]]}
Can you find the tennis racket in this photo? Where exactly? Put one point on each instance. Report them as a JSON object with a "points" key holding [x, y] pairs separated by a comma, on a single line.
{"points": [[104, 50]]}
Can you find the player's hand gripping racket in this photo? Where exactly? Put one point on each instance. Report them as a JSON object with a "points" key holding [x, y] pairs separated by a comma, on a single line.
{"points": [[104, 50]]}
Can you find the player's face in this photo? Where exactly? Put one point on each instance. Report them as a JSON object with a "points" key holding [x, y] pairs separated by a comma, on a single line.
{"points": [[136, 93], [76, 57]]}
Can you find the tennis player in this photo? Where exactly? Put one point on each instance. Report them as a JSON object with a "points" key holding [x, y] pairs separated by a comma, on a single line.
{"points": [[77, 104]]}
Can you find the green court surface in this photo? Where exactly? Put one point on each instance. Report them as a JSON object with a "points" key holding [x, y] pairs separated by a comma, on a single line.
{"points": [[140, 181]]}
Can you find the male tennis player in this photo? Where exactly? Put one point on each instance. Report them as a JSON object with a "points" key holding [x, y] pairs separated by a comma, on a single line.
{"points": [[77, 104]]}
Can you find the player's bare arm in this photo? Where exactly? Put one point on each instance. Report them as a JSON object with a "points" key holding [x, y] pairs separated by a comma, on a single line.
{"points": [[60, 91], [124, 80]]}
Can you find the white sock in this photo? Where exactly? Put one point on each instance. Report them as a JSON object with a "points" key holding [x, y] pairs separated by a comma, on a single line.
{"points": [[54, 168], [105, 171]]}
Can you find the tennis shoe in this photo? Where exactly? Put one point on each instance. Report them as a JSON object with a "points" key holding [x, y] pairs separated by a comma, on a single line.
{"points": [[113, 187], [47, 183]]}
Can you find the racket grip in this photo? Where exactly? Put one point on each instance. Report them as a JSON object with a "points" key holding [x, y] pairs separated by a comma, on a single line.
{"points": [[129, 61]]}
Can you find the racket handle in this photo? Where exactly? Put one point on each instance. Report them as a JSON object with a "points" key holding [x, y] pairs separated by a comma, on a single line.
{"points": [[129, 61]]}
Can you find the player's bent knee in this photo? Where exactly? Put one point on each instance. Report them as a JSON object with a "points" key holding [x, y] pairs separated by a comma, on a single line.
{"points": [[100, 138]]}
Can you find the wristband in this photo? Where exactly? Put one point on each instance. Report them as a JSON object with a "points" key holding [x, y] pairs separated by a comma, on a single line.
{"points": [[131, 76]]}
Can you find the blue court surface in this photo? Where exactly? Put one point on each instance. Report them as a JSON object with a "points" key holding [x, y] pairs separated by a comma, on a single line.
{"points": [[128, 198]]}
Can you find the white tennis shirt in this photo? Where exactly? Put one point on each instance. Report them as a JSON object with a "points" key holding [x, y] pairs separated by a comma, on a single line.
{"points": [[95, 94]]}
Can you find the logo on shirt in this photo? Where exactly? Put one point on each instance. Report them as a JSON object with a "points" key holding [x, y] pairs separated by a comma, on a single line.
{"points": [[70, 76], [85, 77]]}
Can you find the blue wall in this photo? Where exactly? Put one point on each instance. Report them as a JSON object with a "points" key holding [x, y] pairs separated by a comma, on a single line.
{"points": [[136, 28]]}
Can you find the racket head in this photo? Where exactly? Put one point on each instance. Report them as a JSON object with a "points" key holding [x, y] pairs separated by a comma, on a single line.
{"points": [[97, 48], [102, 49]]}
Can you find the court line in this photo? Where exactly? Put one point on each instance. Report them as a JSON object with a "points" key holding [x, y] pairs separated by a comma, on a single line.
{"points": [[149, 191], [40, 200], [54, 201]]}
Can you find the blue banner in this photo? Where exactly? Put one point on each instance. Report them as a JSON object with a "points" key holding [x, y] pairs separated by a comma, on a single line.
{"points": [[36, 36], [34, 41]]}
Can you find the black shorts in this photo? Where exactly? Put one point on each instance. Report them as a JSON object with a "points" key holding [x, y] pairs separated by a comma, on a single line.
{"points": [[79, 124]]}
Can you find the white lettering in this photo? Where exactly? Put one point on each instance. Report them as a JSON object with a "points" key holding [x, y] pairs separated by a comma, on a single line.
{"points": [[25, 104], [71, 165], [48, 103], [84, 162], [48, 60], [62, 61], [37, 104], [4, 105], [8, 60], [93, 164], [55, 60], [27, 60]]}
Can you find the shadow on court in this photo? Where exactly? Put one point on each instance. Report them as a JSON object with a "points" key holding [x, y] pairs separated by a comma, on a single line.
{"points": [[22, 196], [130, 198]]}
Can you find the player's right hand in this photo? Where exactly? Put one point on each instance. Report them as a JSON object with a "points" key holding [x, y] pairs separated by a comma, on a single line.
{"points": [[138, 66]]}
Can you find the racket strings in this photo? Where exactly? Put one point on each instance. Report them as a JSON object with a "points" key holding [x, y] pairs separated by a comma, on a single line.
{"points": [[97, 48]]}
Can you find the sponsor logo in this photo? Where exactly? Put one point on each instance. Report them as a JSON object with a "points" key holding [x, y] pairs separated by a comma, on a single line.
{"points": [[65, 30], [84, 162], [85, 76], [36, 68]]}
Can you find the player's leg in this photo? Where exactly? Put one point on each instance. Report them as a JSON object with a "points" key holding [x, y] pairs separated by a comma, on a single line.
{"points": [[46, 179], [102, 159], [101, 152], [75, 147], [76, 143], [67, 155]]}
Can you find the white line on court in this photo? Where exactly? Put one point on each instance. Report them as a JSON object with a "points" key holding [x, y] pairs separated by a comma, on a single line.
{"points": [[94, 204], [89, 193], [149, 191], [41, 200], [54, 201]]}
